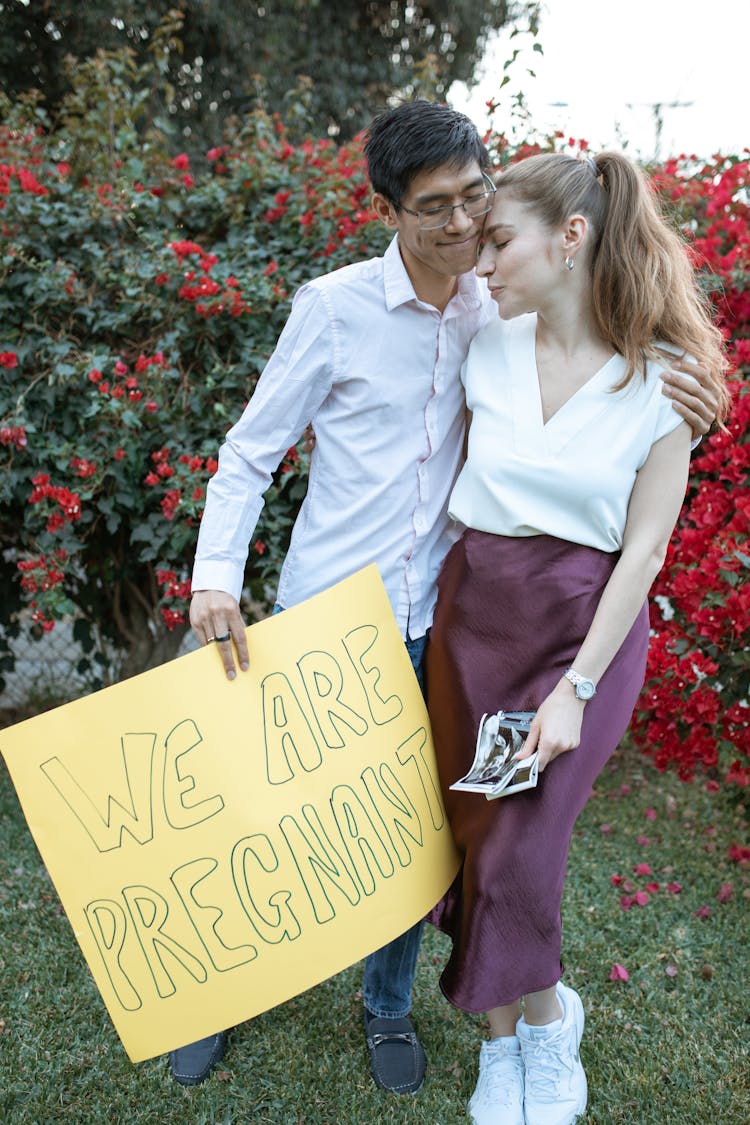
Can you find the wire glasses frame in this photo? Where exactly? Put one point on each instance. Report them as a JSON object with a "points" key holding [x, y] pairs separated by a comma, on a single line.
{"points": [[474, 205]]}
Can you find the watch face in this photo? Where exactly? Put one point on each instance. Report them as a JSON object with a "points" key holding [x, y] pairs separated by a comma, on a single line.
{"points": [[586, 689]]}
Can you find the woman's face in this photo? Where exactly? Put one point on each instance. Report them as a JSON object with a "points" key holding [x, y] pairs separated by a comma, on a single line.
{"points": [[521, 258]]}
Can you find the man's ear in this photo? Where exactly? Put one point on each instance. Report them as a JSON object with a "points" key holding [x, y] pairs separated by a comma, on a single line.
{"points": [[384, 210]]}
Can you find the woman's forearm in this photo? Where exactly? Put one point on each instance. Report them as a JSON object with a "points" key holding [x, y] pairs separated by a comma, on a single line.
{"points": [[618, 608]]}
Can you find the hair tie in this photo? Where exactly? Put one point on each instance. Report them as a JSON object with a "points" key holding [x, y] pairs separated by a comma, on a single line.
{"points": [[588, 160]]}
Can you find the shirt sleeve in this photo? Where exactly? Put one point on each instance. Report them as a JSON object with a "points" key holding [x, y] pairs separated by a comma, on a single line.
{"points": [[295, 382]]}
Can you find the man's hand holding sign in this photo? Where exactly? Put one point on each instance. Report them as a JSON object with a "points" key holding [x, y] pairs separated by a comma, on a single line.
{"points": [[218, 856]]}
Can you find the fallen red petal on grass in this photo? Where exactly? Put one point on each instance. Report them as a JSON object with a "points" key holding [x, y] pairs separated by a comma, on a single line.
{"points": [[674, 888], [642, 869], [725, 892], [619, 972], [650, 814], [671, 970], [703, 912]]}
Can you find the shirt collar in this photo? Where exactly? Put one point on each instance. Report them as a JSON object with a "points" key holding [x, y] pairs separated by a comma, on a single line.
{"points": [[399, 289], [398, 286]]}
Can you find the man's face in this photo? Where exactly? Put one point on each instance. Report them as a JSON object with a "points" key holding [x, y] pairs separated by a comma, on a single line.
{"points": [[451, 250]]}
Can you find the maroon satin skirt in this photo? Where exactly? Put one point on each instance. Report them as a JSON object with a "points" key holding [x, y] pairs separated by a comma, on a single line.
{"points": [[511, 615]]}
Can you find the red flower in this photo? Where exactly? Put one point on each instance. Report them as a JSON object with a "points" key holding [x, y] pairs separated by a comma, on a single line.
{"points": [[172, 617], [82, 467], [170, 502], [181, 161], [13, 435], [8, 359]]}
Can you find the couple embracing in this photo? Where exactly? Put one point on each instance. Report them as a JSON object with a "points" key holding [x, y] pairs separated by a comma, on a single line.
{"points": [[502, 406]]}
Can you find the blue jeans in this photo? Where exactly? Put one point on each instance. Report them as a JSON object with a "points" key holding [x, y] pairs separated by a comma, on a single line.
{"points": [[389, 972]]}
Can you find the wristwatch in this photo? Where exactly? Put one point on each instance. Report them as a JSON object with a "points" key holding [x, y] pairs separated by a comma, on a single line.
{"points": [[585, 688]]}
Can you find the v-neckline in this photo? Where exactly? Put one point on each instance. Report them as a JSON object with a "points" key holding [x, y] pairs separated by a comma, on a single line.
{"points": [[580, 393], [579, 409]]}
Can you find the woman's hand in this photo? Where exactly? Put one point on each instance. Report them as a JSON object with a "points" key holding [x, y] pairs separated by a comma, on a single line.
{"points": [[556, 727]]}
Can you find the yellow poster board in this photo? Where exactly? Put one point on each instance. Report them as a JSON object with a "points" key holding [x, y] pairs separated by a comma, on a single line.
{"points": [[220, 847]]}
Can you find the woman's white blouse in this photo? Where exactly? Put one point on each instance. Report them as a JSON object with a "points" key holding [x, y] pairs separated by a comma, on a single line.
{"points": [[570, 478]]}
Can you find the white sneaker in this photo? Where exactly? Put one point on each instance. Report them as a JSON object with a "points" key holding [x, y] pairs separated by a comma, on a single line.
{"points": [[555, 1082], [498, 1098]]}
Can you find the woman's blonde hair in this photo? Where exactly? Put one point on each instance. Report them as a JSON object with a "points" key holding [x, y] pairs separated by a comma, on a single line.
{"points": [[644, 288]]}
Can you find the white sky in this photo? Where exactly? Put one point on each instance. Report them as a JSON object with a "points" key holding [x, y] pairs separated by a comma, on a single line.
{"points": [[610, 60]]}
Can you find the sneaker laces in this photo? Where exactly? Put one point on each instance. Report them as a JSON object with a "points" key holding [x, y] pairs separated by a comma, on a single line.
{"points": [[498, 1076], [544, 1065]]}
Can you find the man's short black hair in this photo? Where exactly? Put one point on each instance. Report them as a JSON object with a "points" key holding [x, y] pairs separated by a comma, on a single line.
{"points": [[415, 137]]}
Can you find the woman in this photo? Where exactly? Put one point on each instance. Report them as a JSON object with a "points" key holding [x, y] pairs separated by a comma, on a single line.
{"points": [[576, 470]]}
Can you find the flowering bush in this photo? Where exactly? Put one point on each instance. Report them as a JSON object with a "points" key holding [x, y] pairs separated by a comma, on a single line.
{"points": [[694, 710], [141, 296], [139, 300]]}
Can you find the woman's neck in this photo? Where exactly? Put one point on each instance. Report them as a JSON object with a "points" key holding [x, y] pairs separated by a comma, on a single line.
{"points": [[570, 330]]}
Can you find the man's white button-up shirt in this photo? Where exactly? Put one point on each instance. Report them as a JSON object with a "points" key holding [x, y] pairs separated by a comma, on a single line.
{"points": [[376, 371]]}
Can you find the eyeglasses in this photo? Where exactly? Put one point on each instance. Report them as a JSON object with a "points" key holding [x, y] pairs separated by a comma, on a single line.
{"points": [[474, 205]]}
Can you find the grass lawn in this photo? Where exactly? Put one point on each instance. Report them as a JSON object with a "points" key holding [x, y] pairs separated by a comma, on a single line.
{"points": [[669, 1045]]}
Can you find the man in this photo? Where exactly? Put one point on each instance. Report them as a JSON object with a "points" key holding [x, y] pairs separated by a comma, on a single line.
{"points": [[371, 356]]}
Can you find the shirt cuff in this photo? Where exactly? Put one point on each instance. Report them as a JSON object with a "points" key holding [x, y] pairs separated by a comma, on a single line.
{"points": [[226, 576]]}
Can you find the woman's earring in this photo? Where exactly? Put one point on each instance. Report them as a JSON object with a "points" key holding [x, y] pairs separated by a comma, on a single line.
{"points": [[569, 262]]}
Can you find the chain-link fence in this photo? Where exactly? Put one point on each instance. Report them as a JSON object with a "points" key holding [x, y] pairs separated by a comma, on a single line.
{"points": [[47, 670]]}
